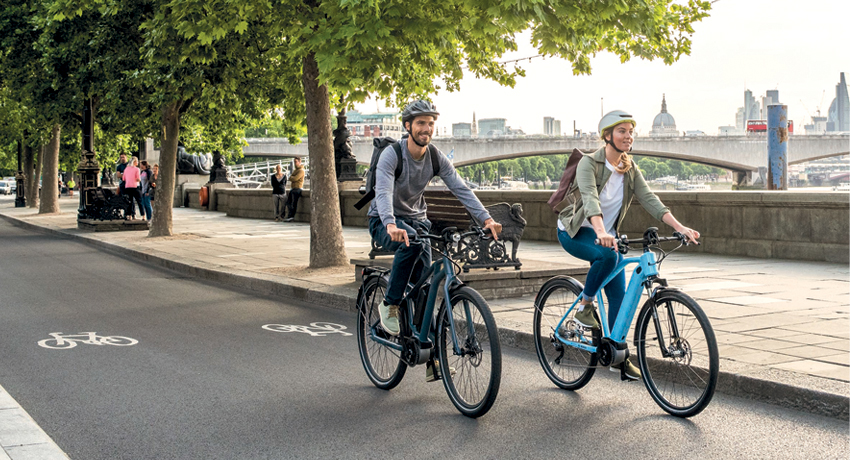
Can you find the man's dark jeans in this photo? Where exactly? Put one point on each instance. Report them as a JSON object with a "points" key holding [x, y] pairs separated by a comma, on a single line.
{"points": [[405, 256], [292, 201]]}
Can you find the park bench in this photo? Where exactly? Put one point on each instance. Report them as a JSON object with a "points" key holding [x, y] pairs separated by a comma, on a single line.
{"points": [[445, 210]]}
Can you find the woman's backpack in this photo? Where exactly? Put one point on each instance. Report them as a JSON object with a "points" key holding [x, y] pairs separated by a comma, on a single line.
{"points": [[559, 200]]}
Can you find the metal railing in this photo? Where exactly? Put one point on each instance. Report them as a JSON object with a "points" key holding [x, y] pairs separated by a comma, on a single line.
{"points": [[254, 175]]}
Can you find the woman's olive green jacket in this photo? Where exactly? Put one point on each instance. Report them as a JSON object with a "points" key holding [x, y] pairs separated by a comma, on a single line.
{"points": [[591, 177]]}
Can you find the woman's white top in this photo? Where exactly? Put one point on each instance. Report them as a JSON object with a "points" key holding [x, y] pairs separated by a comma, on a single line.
{"points": [[610, 201]]}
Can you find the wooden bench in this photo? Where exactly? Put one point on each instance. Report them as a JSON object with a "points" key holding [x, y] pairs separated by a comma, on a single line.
{"points": [[445, 210]]}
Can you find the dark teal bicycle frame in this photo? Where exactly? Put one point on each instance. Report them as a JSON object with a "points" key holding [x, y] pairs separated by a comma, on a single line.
{"points": [[646, 270], [439, 271]]}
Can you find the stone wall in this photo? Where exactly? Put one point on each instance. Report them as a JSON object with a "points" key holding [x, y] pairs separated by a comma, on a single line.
{"points": [[785, 225]]}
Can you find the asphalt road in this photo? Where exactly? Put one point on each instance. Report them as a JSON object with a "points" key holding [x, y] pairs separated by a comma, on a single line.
{"points": [[207, 381]]}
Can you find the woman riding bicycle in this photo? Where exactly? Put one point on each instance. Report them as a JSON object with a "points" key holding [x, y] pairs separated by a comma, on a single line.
{"points": [[606, 181]]}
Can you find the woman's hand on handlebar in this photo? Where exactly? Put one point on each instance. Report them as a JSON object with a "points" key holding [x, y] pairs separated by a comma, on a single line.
{"points": [[691, 235], [398, 234], [606, 240]]}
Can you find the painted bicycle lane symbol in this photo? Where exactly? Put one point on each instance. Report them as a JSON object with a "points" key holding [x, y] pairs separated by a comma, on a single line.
{"points": [[60, 341], [318, 329]]}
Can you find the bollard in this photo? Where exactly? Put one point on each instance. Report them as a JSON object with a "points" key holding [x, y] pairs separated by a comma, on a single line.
{"points": [[777, 147]]}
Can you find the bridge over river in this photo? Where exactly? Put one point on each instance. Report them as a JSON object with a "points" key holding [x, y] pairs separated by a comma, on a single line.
{"points": [[742, 154]]}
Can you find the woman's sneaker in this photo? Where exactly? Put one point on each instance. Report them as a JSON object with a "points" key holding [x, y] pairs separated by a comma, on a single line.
{"points": [[586, 317], [389, 318]]}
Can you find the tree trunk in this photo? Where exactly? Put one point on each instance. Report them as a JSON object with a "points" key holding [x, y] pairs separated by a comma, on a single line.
{"points": [[164, 197], [327, 246], [32, 170], [50, 168]]}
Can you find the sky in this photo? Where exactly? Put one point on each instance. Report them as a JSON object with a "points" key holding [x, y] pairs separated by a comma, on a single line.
{"points": [[796, 47]]}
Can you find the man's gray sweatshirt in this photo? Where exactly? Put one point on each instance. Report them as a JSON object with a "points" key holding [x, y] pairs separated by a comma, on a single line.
{"points": [[405, 197]]}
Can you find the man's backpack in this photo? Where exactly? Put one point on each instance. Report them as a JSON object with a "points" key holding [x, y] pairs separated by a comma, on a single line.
{"points": [[380, 144]]}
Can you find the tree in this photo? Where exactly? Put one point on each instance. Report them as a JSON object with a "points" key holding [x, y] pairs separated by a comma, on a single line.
{"points": [[347, 50]]}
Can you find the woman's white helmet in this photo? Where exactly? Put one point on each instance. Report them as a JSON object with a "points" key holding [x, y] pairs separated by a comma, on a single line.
{"points": [[614, 118]]}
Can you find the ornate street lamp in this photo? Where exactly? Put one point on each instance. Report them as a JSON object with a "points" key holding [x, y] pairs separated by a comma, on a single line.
{"points": [[20, 180], [89, 168]]}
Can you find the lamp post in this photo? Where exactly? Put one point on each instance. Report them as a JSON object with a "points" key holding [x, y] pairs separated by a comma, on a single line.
{"points": [[20, 180], [89, 168]]}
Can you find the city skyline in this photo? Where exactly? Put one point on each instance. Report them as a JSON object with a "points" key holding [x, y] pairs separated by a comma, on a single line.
{"points": [[755, 45]]}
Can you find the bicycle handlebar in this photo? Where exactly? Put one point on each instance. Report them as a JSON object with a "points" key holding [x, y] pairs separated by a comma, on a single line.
{"points": [[451, 235], [650, 238]]}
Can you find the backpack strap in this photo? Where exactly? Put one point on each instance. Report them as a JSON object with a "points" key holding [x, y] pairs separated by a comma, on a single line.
{"points": [[399, 164], [435, 159]]}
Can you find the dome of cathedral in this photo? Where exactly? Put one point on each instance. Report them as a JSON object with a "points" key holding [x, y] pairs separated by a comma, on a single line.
{"points": [[664, 125]]}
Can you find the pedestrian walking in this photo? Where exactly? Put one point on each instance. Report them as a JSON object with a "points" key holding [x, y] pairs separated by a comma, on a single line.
{"points": [[146, 173], [132, 178], [296, 179], [119, 172], [278, 180]]}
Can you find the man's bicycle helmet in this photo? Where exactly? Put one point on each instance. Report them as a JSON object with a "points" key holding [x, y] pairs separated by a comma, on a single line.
{"points": [[614, 118], [417, 108]]}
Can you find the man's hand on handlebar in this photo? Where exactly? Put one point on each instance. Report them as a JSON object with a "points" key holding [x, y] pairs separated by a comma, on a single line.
{"points": [[397, 234], [495, 228]]}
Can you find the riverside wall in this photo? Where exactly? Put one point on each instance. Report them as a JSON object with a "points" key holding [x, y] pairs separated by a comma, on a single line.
{"points": [[764, 224]]}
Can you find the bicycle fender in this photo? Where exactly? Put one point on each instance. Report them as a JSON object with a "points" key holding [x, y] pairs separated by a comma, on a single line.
{"points": [[547, 285]]}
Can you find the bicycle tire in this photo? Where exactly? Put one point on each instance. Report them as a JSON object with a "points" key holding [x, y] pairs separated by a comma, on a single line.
{"points": [[567, 367], [683, 383], [475, 385], [383, 364]]}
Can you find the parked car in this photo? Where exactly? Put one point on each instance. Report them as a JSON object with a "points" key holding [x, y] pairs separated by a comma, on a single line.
{"points": [[7, 187]]}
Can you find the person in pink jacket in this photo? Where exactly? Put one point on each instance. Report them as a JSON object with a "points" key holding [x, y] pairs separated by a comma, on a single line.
{"points": [[132, 179]]}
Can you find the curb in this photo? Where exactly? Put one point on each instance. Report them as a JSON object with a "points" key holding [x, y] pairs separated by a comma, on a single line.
{"points": [[729, 383]]}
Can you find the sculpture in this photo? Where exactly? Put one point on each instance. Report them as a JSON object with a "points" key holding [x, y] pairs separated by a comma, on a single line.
{"points": [[192, 164], [344, 160], [512, 222], [218, 173]]}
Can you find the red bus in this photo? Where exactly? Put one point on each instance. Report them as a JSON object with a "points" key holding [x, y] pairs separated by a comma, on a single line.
{"points": [[760, 126]]}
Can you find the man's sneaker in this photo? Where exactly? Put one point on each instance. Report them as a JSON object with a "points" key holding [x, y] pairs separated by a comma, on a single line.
{"points": [[586, 317], [289, 219], [389, 318], [632, 372], [432, 371]]}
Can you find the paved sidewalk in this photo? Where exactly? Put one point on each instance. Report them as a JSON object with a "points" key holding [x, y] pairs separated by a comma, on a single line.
{"points": [[783, 326]]}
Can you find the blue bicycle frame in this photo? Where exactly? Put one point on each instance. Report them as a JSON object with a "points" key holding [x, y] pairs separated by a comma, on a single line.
{"points": [[645, 270]]}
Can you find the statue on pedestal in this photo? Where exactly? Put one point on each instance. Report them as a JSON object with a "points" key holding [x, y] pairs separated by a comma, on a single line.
{"points": [[192, 164], [346, 163]]}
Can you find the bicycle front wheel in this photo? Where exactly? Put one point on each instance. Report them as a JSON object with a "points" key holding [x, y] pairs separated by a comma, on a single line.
{"points": [[677, 352], [382, 363], [567, 367], [473, 373]]}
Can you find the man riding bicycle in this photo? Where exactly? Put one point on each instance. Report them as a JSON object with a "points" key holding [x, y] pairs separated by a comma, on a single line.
{"points": [[399, 206]]}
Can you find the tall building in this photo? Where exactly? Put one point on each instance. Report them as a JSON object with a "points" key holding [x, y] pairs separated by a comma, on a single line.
{"points": [[839, 111], [491, 127], [474, 126], [752, 111], [374, 124], [551, 126], [462, 130], [771, 97], [664, 125]]}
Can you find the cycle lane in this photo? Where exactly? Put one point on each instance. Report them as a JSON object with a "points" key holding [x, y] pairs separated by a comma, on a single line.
{"points": [[270, 257]]}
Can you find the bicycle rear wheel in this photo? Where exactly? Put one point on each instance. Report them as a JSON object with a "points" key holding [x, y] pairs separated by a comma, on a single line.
{"points": [[474, 384], [677, 353], [567, 367], [383, 364]]}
